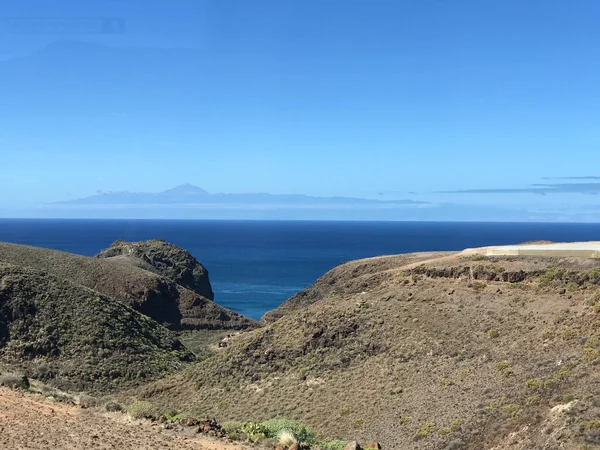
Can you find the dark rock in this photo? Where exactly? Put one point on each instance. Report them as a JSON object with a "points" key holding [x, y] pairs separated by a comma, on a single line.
{"points": [[164, 259]]}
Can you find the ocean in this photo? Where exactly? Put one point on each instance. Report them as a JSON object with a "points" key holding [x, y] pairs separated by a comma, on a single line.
{"points": [[256, 265]]}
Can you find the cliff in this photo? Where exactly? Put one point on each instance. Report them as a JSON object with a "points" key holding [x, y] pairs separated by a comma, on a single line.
{"points": [[166, 260], [147, 291]]}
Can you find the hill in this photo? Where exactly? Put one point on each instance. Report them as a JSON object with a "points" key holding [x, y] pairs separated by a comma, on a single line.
{"points": [[77, 338], [164, 259], [139, 282], [422, 351]]}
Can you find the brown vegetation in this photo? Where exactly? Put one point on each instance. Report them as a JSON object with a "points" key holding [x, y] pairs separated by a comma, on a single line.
{"points": [[451, 353]]}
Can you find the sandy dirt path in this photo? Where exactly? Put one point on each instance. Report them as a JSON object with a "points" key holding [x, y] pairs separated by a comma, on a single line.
{"points": [[32, 422]]}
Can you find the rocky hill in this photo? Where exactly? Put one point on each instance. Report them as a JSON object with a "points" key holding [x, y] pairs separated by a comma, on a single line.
{"points": [[78, 339], [347, 277], [142, 282], [164, 259], [423, 351]]}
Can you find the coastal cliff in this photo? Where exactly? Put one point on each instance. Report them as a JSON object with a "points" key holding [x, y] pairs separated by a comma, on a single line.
{"points": [[143, 283]]}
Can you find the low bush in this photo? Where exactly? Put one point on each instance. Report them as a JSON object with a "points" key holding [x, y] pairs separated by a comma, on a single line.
{"points": [[300, 431], [232, 427], [13, 380], [141, 410], [113, 407], [254, 430]]}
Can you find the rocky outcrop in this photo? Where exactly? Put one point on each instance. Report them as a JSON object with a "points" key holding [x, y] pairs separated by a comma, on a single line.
{"points": [[154, 295], [477, 272], [349, 278], [165, 259]]}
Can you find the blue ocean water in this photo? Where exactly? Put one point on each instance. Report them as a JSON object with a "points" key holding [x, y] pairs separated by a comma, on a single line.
{"points": [[256, 265]]}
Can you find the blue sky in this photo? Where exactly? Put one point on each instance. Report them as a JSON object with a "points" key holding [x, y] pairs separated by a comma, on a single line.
{"points": [[377, 99]]}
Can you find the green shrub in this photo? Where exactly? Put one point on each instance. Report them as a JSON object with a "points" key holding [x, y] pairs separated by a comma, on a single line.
{"points": [[299, 430], [569, 334], [232, 427], [593, 300], [533, 384], [456, 425], [174, 415], [141, 409], [493, 333], [510, 411], [478, 286], [568, 398], [502, 366], [427, 429], [254, 430], [590, 354]]}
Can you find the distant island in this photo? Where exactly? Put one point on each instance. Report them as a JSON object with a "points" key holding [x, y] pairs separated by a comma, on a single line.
{"points": [[188, 194]]}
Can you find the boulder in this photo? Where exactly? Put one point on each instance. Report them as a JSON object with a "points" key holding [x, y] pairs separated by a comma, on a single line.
{"points": [[352, 445]]}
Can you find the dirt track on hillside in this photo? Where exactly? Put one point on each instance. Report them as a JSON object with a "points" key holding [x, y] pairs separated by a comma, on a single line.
{"points": [[33, 422]]}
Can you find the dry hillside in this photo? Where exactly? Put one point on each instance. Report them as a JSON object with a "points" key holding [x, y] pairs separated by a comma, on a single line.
{"points": [[147, 291], [32, 422], [77, 338], [424, 351]]}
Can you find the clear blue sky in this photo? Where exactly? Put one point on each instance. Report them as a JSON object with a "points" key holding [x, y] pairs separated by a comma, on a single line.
{"points": [[376, 99]]}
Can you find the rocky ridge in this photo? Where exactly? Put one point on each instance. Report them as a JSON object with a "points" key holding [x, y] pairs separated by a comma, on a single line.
{"points": [[147, 291]]}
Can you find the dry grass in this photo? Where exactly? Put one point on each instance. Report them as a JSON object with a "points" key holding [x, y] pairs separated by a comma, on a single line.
{"points": [[369, 348], [286, 438]]}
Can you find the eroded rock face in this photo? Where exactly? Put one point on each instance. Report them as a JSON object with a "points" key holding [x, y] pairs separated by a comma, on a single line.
{"points": [[165, 259]]}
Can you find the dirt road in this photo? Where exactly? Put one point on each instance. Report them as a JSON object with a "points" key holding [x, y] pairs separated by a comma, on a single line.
{"points": [[33, 422]]}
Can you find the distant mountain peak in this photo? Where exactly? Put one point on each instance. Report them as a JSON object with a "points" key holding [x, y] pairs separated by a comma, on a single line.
{"points": [[186, 189]]}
